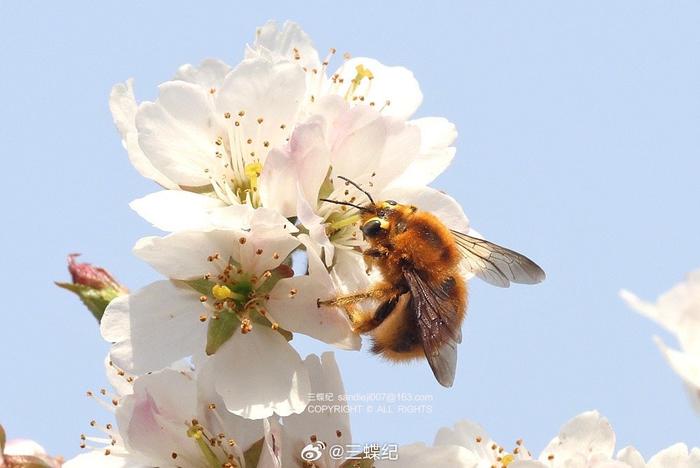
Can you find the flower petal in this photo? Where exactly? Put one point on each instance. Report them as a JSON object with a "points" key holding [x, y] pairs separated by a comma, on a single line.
{"points": [[395, 85], [259, 373], [268, 94], [245, 431], [98, 458], [470, 436], [293, 304], [588, 434], [153, 327], [687, 366], [632, 457], [332, 427], [210, 74], [675, 456], [175, 210], [153, 420], [437, 134], [438, 203], [288, 42], [419, 455], [122, 104], [178, 133], [185, 255]]}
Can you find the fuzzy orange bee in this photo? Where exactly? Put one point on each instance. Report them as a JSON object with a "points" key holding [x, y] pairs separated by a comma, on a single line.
{"points": [[423, 294]]}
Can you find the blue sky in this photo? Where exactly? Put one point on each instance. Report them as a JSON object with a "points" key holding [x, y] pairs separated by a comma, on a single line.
{"points": [[579, 145]]}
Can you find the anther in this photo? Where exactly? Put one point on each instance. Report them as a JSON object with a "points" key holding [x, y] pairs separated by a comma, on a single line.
{"points": [[227, 115], [241, 240]]}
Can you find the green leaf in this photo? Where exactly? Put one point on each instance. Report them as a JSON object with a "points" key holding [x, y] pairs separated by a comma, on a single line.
{"points": [[220, 330], [252, 455], [96, 300], [3, 439]]}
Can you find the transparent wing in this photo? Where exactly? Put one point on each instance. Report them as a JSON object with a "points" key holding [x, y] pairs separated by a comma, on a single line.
{"points": [[495, 264], [439, 324]]}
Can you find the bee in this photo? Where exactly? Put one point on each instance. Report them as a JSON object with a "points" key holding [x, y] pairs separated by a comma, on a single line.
{"points": [[423, 294]]}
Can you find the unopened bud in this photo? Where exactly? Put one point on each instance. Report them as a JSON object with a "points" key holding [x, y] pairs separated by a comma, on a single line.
{"points": [[95, 286]]}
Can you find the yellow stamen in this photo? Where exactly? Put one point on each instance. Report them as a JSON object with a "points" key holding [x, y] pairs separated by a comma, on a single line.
{"points": [[507, 459]]}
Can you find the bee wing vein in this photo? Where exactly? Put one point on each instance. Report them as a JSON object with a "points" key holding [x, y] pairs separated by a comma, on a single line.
{"points": [[495, 264], [439, 326]]}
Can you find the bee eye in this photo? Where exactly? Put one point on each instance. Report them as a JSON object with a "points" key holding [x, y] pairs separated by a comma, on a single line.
{"points": [[374, 226]]}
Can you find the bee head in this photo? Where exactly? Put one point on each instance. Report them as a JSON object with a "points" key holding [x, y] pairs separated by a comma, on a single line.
{"points": [[374, 226]]}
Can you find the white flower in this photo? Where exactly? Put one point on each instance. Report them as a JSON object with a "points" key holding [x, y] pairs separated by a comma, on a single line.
{"points": [[678, 310], [359, 80], [211, 128], [379, 153], [586, 441], [173, 417], [229, 294], [298, 430]]}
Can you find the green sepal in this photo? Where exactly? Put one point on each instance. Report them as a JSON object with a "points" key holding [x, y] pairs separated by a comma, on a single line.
{"points": [[281, 272], [252, 455], [220, 330], [202, 286], [264, 321], [96, 300]]}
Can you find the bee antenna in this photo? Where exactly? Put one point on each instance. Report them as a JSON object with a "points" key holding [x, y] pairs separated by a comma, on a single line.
{"points": [[338, 202], [357, 186]]}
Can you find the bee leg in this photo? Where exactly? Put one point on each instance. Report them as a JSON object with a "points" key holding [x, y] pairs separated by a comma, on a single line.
{"points": [[342, 301], [361, 322]]}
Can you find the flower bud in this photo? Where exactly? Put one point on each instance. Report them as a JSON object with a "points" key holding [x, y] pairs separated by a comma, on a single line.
{"points": [[95, 286]]}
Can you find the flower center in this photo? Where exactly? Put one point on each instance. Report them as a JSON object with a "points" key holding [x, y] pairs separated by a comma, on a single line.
{"points": [[209, 444], [236, 299], [240, 155]]}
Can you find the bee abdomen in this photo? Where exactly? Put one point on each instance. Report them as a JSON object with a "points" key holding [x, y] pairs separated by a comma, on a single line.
{"points": [[398, 336]]}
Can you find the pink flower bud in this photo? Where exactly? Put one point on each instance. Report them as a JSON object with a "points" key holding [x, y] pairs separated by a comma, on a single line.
{"points": [[88, 275]]}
